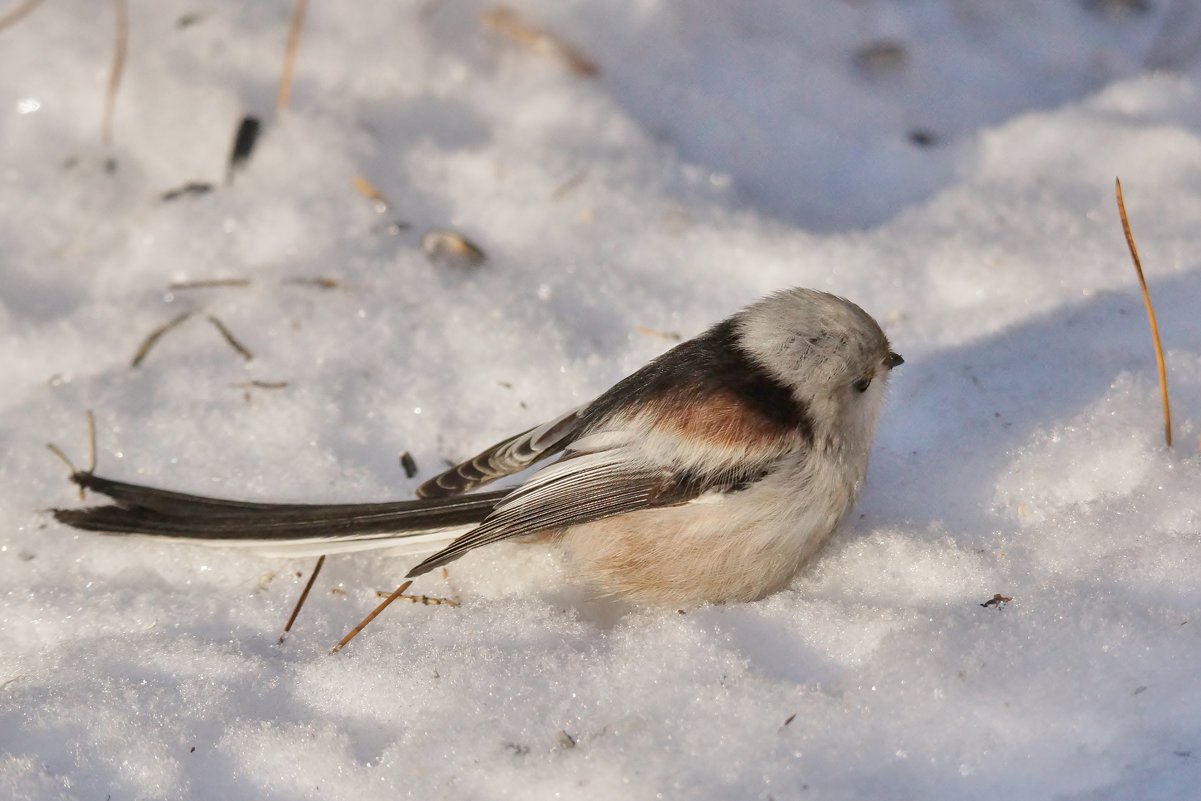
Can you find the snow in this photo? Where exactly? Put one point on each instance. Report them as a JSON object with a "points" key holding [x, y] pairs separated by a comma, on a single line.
{"points": [[948, 165]]}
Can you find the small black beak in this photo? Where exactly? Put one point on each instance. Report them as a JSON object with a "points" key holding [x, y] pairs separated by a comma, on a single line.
{"points": [[893, 359]]}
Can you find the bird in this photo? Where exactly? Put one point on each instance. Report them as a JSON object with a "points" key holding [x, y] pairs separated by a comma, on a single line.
{"points": [[711, 475]]}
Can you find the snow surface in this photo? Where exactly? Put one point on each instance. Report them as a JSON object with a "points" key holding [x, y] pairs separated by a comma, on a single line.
{"points": [[948, 165]]}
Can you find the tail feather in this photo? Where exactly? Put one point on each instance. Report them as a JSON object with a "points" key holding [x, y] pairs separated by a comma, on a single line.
{"points": [[138, 509]]}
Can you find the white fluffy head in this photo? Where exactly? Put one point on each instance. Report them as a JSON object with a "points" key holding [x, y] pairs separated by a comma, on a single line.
{"points": [[830, 352]]}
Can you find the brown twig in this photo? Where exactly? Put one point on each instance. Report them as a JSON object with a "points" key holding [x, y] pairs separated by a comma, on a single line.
{"points": [[294, 29], [242, 350], [1160, 364], [304, 594], [15, 16], [116, 70], [399, 591], [155, 335], [369, 191]]}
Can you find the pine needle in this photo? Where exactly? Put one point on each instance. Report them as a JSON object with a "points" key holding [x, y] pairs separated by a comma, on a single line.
{"points": [[304, 594], [229, 337], [285, 81], [152, 339], [116, 70], [1142, 282], [399, 591]]}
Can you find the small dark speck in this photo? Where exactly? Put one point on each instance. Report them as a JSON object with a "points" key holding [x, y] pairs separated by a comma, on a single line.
{"points": [[518, 748], [188, 20], [789, 719], [566, 740], [245, 138], [190, 188], [923, 137], [882, 57], [409, 464], [192, 750], [1183, 753], [1139, 690], [110, 165], [26, 556], [1116, 9]]}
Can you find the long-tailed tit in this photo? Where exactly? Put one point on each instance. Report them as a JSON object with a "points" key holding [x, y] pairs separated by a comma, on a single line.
{"points": [[712, 474]]}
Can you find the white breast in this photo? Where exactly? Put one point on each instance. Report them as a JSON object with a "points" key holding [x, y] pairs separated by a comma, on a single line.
{"points": [[739, 546]]}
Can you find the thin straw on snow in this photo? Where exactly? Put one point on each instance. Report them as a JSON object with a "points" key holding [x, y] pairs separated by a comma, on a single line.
{"points": [[1142, 282]]}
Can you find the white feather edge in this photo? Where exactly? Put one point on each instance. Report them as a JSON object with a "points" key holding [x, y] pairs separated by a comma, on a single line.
{"points": [[384, 544]]}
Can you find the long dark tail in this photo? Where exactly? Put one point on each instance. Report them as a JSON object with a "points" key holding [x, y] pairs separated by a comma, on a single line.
{"points": [[138, 509]]}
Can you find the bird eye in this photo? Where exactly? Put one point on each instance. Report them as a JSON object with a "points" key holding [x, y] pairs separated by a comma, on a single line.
{"points": [[862, 384]]}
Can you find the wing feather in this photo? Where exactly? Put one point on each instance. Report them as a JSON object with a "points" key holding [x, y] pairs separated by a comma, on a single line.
{"points": [[506, 457], [584, 487]]}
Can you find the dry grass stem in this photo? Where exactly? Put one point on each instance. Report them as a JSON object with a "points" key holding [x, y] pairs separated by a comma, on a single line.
{"points": [[304, 594], [57, 451], [1142, 282], [320, 282], [18, 13], [398, 592], [510, 24], [674, 336], [152, 339], [211, 283], [294, 29], [116, 70], [242, 350], [91, 442], [424, 600]]}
